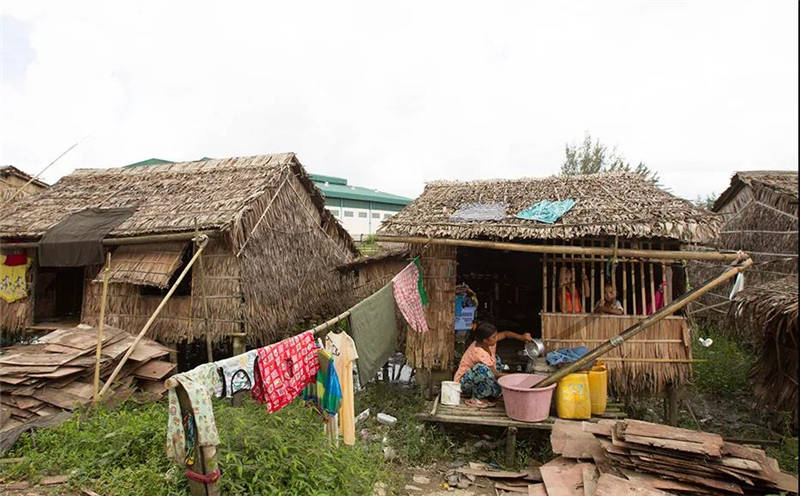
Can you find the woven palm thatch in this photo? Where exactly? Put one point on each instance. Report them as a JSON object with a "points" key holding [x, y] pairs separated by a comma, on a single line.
{"points": [[759, 216], [144, 265], [767, 316], [271, 261], [608, 204]]}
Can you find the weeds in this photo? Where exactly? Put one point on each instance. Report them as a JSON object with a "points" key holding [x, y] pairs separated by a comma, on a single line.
{"points": [[726, 367], [122, 452]]}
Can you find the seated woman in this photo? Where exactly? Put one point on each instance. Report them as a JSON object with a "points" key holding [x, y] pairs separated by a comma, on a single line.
{"points": [[569, 292], [477, 373], [609, 304]]}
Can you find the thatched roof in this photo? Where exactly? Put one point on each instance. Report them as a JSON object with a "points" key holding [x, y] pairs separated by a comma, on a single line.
{"points": [[767, 301], [608, 204], [10, 170], [766, 315], [781, 184], [169, 197], [397, 251]]}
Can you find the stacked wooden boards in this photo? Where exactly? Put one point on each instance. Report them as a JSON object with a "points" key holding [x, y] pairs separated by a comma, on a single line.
{"points": [[610, 456], [56, 373]]}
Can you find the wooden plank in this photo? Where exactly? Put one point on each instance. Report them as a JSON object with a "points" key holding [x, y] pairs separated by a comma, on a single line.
{"points": [[563, 478], [154, 370], [610, 485], [537, 490], [60, 372], [59, 398], [569, 440], [499, 422], [589, 476], [492, 474], [39, 359], [5, 414], [13, 380], [81, 389], [156, 387], [147, 350], [649, 429]]}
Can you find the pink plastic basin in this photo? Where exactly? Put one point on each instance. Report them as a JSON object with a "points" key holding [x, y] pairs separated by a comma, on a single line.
{"points": [[522, 402]]}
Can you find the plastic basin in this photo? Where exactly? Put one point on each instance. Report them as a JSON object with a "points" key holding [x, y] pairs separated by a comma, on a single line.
{"points": [[524, 403]]}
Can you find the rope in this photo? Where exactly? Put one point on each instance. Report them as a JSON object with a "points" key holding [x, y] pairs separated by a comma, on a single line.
{"points": [[266, 209], [201, 478]]}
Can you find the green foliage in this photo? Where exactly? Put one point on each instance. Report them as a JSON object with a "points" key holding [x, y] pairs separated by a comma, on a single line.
{"points": [[705, 202], [369, 246], [590, 158], [122, 452], [725, 371], [413, 441]]}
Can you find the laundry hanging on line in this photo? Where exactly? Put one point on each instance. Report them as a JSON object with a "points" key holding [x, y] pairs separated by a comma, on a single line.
{"points": [[284, 369], [199, 384], [409, 294], [325, 393], [14, 278], [236, 374]]}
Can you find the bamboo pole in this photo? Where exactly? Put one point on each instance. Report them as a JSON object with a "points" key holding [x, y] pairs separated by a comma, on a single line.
{"points": [[652, 288], [201, 273], [131, 240], [562, 249], [633, 288], [591, 300], [106, 273], [624, 288], [554, 288], [642, 282], [152, 318], [544, 284], [637, 328]]}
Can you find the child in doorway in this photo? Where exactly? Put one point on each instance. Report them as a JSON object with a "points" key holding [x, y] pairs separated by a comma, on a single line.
{"points": [[609, 304], [478, 371]]}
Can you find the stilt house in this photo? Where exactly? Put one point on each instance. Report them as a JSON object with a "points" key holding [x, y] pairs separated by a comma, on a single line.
{"points": [[519, 290]]}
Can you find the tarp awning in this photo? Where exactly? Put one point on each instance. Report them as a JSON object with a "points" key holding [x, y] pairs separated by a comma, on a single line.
{"points": [[77, 240], [145, 265]]}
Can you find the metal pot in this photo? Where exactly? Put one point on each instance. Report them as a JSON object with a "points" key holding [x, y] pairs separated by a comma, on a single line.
{"points": [[534, 349]]}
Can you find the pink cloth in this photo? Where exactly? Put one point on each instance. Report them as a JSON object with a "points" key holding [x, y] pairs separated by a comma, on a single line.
{"points": [[406, 295], [474, 355], [659, 299], [283, 369]]}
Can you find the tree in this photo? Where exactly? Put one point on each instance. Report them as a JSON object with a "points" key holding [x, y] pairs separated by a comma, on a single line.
{"points": [[706, 202], [589, 158]]}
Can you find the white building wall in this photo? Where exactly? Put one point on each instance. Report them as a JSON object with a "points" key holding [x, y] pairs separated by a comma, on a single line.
{"points": [[360, 222]]}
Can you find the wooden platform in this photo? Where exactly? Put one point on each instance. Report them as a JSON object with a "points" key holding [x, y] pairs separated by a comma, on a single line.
{"points": [[496, 416]]}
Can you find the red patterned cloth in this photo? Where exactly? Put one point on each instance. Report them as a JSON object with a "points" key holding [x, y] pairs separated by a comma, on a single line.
{"points": [[283, 369], [406, 295]]}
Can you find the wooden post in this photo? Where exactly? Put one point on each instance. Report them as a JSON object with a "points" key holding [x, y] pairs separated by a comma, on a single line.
{"points": [[106, 273], [205, 461], [238, 349], [544, 284], [152, 319], [668, 296], [202, 282], [633, 288], [671, 405], [644, 292], [554, 308], [591, 300], [511, 446], [624, 288]]}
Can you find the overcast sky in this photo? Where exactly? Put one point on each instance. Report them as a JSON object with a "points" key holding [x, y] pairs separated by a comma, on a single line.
{"points": [[394, 94]]}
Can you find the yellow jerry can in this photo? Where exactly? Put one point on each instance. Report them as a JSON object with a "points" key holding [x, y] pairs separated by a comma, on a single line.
{"points": [[572, 397], [598, 388]]}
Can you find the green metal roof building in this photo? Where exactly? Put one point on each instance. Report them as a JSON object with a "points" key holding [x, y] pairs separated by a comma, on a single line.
{"points": [[360, 210]]}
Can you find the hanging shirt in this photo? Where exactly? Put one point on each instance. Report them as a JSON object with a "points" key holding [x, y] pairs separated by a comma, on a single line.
{"points": [[236, 374], [199, 384], [284, 369], [13, 279], [325, 394], [343, 349], [406, 288]]}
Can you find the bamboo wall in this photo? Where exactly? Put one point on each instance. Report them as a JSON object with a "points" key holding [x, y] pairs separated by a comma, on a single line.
{"points": [[288, 266], [372, 276], [435, 349], [665, 348], [182, 317], [14, 317]]}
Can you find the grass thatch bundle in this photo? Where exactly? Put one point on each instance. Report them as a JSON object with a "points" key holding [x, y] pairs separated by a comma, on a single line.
{"points": [[608, 204], [766, 316]]}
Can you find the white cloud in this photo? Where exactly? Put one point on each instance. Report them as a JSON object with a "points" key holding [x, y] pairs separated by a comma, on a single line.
{"points": [[394, 94]]}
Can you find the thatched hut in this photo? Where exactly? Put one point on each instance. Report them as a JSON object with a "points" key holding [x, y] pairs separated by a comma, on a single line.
{"points": [[270, 261], [758, 212], [11, 180], [766, 315], [519, 289]]}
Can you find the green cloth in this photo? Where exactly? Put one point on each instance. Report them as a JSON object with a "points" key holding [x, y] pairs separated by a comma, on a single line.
{"points": [[423, 296], [373, 326]]}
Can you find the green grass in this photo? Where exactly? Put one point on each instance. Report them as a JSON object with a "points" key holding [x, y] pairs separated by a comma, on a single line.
{"points": [[122, 452], [725, 369]]}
